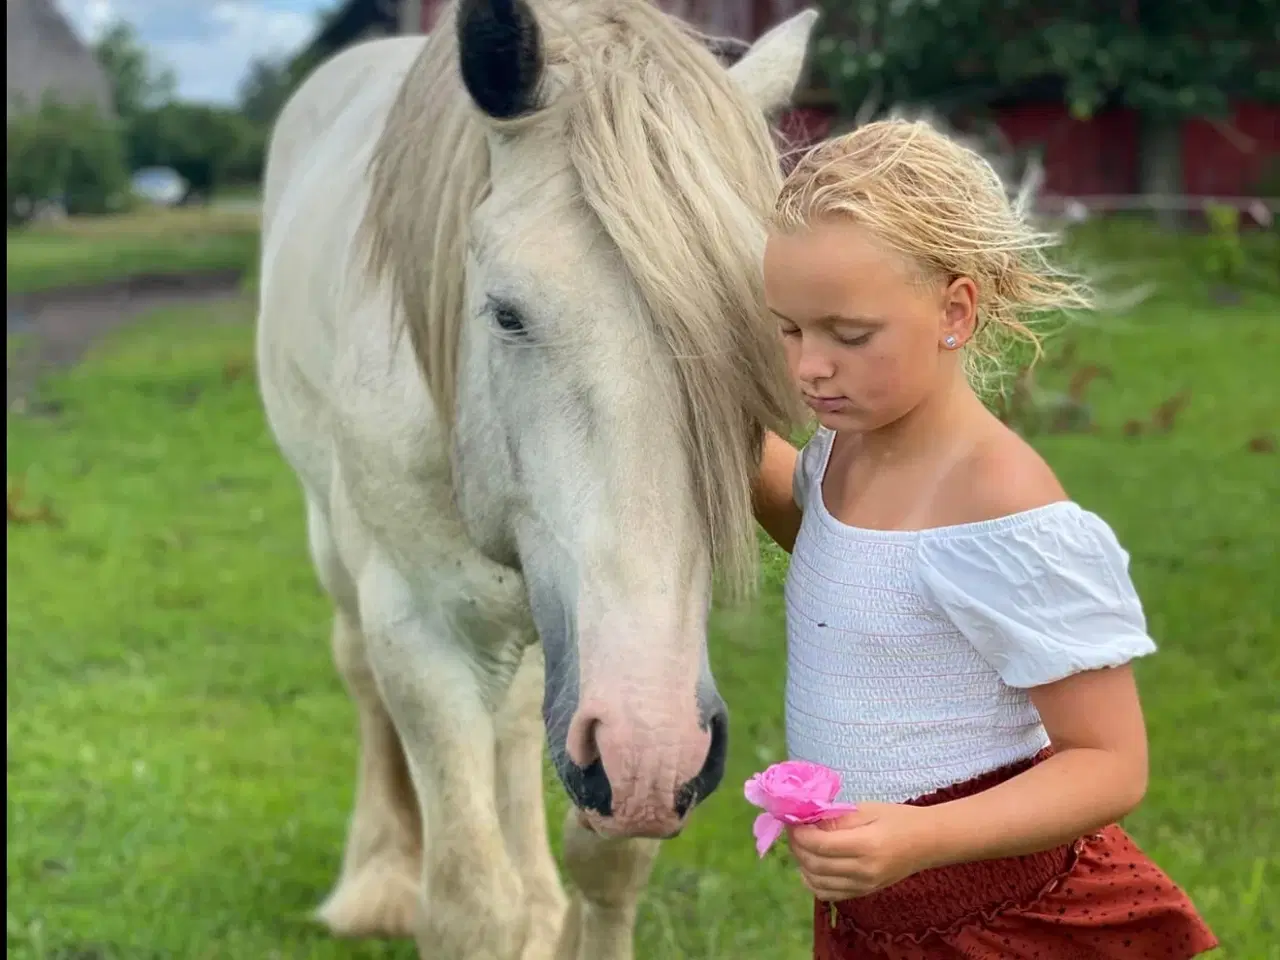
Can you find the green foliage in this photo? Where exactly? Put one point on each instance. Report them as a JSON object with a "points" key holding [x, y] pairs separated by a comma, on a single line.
{"points": [[1225, 258], [136, 83], [1181, 58], [209, 146], [64, 152], [72, 154], [264, 89], [1267, 184]]}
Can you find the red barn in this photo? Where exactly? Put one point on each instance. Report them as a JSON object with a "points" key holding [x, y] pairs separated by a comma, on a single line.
{"points": [[1096, 160]]}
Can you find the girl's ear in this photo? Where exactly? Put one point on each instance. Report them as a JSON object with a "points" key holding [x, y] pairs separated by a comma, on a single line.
{"points": [[959, 312]]}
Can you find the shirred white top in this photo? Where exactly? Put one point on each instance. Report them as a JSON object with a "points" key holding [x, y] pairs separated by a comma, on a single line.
{"points": [[909, 652]]}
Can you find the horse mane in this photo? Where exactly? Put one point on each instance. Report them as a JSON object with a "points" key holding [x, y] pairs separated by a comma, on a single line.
{"points": [[681, 171]]}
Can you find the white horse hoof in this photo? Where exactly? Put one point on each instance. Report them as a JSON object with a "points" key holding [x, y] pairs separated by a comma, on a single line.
{"points": [[381, 899]]}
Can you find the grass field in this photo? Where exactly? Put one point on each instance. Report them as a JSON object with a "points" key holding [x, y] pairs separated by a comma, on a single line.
{"points": [[92, 250], [181, 754]]}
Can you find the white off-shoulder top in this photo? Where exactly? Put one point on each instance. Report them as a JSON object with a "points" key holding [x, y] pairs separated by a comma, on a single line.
{"points": [[909, 653]]}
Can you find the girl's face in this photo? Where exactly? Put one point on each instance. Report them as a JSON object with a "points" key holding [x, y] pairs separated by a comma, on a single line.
{"points": [[865, 339]]}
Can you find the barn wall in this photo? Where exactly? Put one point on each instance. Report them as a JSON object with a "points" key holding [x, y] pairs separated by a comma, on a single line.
{"points": [[1098, 156], [1081, 158], [429, 10], [745, 19], [1230, 158], [799, 128], [1219, 158]]}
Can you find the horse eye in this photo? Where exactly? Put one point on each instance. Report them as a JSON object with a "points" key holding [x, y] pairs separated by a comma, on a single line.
{"points": [[508, 318]]}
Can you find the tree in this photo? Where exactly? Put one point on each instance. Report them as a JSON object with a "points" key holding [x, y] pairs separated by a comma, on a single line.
{"points": [[1165, 59], [136, 83], [208, 146], [66, 152], [1184, 57], [264, 89]]}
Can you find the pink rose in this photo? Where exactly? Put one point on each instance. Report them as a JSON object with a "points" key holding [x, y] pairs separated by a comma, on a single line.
{"points": [[791, 792]]}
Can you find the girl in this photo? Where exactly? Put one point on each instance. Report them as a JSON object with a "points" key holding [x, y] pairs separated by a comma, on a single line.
{"points": [[959, 631]]}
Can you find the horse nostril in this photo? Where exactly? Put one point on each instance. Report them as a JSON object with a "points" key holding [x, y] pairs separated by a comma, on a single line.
{"points": [[591, 789], [685, 798], [581, 741], [712, 772], [585, 778]]}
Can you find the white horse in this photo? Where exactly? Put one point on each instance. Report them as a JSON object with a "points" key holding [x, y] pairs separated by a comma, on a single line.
{"points": [[512, 340]]}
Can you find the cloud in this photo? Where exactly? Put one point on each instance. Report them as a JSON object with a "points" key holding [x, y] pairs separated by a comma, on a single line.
{"points": [[209, 46], [96, 17]]}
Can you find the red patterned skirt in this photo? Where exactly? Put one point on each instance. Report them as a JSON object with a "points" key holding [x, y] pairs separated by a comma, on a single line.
{"points": [[1099, 898]]}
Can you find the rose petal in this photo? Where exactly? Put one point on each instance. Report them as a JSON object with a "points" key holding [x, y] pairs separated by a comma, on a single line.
{"points": [[800, 779], [794, 808], [832, 811], [767, 829], [754, 791]]}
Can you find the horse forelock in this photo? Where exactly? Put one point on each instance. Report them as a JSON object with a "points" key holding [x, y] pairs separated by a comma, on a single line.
{"points": [[680, 170]]}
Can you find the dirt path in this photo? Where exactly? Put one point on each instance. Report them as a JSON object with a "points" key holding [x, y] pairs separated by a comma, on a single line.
{"points": [[54, 328]]}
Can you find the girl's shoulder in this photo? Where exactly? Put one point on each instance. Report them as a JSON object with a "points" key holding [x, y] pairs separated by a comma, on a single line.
{"points": [[1002, 476], [1037, 583]]}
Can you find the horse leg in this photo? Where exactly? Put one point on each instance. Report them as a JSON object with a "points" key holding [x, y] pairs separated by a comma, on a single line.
{"points": [[439, 694], [377, 892], [609, 875], [521, 808]]}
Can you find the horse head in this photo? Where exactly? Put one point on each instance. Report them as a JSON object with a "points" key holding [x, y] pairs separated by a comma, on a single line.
{"points": [[616, 367]]}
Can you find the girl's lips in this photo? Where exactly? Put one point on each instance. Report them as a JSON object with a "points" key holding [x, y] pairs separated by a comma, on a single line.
{"points": [[825, 404]]}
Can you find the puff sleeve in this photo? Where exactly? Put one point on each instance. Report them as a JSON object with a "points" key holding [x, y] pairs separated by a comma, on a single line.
{"points": [[1040, 596]]}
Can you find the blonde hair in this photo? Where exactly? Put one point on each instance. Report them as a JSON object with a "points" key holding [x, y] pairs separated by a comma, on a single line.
{"points": [[943, 205]]}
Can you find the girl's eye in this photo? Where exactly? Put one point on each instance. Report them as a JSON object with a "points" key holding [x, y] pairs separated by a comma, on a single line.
{"points": [[791, 331], [857, 341]]}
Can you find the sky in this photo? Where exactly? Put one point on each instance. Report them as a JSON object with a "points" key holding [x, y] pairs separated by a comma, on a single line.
{"points": [[208, 43]]}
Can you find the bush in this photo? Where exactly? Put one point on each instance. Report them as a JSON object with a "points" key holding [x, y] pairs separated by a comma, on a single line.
{"points": [[67, 153], [209, 146], [1225, 257]]}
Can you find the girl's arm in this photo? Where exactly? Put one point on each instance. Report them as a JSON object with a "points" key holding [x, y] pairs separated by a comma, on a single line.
{"points": [[1098, 773], [775, 507]]}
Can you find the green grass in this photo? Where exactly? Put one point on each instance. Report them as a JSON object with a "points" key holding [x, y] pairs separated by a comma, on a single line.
{"points": [[181, 753], [14, 344], [93, 250], [240, 193]]}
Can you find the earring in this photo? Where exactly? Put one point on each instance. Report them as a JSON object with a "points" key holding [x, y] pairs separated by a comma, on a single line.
{"points": [[950, 342]]}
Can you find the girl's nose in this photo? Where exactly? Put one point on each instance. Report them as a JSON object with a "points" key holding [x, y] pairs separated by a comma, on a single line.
{"points": [[813, 363]]}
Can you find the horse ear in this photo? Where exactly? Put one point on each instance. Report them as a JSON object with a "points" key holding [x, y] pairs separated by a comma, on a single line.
{"points": [[770, 70], [500, 56]]}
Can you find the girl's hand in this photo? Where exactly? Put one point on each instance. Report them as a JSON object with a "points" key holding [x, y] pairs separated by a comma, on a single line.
{"points": [[862, 852]]}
